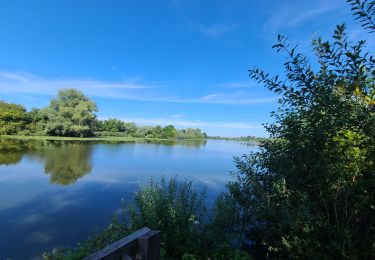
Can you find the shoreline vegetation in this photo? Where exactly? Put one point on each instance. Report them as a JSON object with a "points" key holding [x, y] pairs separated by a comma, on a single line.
{"points": [[103, 138], [254, 140], [71, 115]]}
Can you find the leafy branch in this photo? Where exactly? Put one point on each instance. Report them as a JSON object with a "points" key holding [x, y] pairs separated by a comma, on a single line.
{"points": [[364, 12]]}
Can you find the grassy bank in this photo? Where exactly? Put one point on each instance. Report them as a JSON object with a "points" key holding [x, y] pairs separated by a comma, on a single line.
{"points": [[250, 139], [103, 138]]}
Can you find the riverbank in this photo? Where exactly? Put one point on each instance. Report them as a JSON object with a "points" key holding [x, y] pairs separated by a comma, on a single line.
{"points": [[250, 139], [104, 138]]}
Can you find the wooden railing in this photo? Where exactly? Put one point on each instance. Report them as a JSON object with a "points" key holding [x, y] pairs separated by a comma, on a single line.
{"points": [[143, 244]]}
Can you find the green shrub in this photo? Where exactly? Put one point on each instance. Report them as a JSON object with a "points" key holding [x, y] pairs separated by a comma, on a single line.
{"points": [[176, 209], [24, 132]]}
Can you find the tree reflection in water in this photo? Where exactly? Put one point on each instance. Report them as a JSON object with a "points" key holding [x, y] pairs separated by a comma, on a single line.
{"points": [[68, 162], [64, 161], [11, 151]]}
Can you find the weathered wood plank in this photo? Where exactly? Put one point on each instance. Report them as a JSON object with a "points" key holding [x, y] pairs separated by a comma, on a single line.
{"points": [[149, 246], [118, 249]]}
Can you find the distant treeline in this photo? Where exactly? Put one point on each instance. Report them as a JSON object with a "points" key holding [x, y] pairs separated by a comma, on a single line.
{"points": [[72, 114], [116, 127], [242, 138]]}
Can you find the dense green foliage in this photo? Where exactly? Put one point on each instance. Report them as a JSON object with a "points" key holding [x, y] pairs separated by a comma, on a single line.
{"points": [[170, 132], [72, 114], [176, 209], [155, 132], [13, 118], [114, 125], [310, 190], [191, 133], [117, 127]]}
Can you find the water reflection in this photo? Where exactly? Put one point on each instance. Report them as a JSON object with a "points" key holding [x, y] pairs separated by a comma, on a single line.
{"points": [[56, 219], [186, 143], [11, 151], [42, 205], [65, 161]]}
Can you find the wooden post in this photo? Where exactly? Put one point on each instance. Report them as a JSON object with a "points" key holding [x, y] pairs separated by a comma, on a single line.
{"points": [[123, 248], [149, 246]]}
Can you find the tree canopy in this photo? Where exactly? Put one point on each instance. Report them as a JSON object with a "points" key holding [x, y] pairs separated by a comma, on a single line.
{"points": [[71, 114], [169, 132], [13, 118]]}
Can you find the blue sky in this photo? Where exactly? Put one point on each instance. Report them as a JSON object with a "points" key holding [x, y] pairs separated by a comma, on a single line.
{"points": [[180, 62]]}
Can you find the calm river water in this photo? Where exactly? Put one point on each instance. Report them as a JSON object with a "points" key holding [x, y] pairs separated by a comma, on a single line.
{"points": [[55, 193]]}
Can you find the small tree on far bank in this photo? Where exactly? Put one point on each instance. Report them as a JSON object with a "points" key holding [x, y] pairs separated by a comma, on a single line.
{"points": [[13, 118], [71, 114], [169, 132]]}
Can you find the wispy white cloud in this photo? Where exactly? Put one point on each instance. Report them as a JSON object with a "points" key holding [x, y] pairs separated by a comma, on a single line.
{"points": [[177, 116], [115, 68], [11, 82], [217, 29], [39, 237], [29, 84], [296, 15], [180, 3], [210, 28], [300, 18], [235, 85], [238, 98], [358, 34]]}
